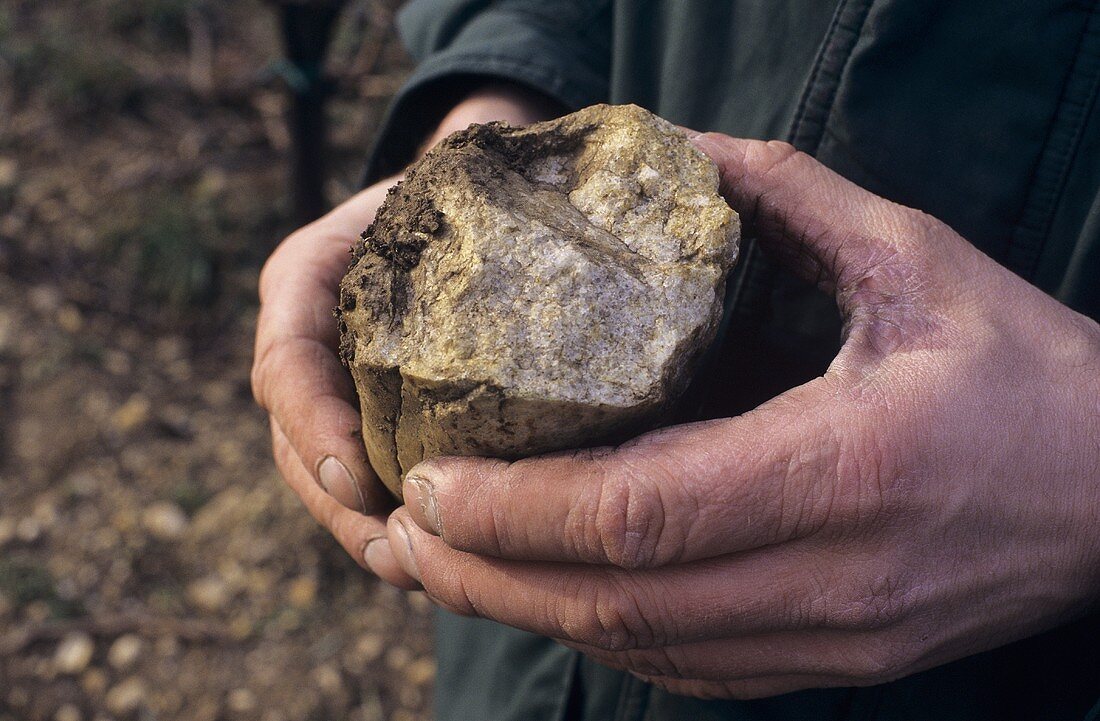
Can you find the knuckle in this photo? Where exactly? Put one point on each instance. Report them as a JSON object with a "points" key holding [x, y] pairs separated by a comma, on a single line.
{"points": [[764, 157], [664, 662], [866, 487], [452, 591], [346, 534], [612, 620], [806, 497], [883, 603], [628, 521]]}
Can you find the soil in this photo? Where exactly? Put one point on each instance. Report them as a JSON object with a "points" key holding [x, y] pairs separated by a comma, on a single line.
{"points": [[152, 563]]}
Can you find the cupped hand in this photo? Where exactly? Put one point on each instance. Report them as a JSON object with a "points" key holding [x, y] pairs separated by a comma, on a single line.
{"points": [[298, 378], [936, 493]]}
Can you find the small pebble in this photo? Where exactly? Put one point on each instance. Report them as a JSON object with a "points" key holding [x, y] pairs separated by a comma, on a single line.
{"points": [[68, 712], [28, 530], [164, 521], [302, 592], [241, 700], [398, 658], [209, 594], [421, 671], [8, 172], [328, 680], [370, 646], [126, 697], [131, 414], [70, 319], [7, 530], [124, 651], [74, 653], [94, 681], [44, 298]]}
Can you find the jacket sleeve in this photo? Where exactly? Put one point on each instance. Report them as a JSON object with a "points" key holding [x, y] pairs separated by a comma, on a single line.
{"points": [[561, 48]]}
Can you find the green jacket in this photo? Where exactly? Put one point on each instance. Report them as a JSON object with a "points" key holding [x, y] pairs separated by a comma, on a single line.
{"points": [[982, 113]]}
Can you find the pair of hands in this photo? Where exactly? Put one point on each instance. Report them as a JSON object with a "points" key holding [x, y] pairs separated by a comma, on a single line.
{"points": [[936, 493]]}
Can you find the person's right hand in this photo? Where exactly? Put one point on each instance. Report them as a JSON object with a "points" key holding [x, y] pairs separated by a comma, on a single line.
{"points": [[297, 376]]}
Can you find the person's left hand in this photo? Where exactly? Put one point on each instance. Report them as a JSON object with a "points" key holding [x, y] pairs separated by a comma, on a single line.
{"points": [[936, 493]]}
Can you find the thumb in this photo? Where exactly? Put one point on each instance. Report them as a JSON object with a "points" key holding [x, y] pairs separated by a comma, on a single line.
{"points": [[886, 265], [848, 241]]}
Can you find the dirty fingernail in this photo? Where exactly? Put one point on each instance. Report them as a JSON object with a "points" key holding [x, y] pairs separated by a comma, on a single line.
{"points": [[374, 553], [337, 481], [404, 552], [424, 492]]}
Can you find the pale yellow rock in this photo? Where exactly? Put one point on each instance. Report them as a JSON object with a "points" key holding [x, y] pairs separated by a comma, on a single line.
{"points": [[74, 653], [164, 521], [210, 594], [302, 592], [534, 289], [124, 652], [68, 712], [241, 700], [125, 697]]}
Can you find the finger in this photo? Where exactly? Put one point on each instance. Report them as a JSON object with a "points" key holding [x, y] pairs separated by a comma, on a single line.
{"points": [[798, 586], [675, 495], [297, 375], [363, 537]]}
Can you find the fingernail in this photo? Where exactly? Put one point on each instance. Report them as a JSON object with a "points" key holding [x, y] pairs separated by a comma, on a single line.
{"points": [[336, 479], [374, 553], [425, 498], [404, 553]]}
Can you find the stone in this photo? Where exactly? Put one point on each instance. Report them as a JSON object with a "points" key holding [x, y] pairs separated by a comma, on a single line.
{"points": [[126, 697], [165, 521], [302, 591], [124, 652], [532, 289], [421, 671], [241, 700], [68, 712], [210, 594], [131, 414], [74, 653]]}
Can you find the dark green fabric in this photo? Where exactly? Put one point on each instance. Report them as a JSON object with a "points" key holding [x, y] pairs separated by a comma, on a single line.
{"points": [[531, 676], [982, 113]]}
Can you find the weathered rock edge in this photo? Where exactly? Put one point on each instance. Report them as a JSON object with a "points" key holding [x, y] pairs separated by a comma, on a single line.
{"points": [[534, 289]]}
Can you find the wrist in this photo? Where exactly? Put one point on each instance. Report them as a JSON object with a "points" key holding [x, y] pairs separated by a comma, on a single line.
{"points": [[512, 103]]}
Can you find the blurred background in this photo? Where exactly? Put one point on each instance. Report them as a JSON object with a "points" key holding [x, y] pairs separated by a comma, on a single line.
{"points": [[152, 564]]}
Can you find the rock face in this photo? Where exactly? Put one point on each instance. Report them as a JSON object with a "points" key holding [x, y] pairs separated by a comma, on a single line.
{"points": [[534, 289]]}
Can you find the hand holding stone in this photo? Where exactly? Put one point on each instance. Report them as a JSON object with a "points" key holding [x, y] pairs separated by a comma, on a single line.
{"points": [[932, 495]]}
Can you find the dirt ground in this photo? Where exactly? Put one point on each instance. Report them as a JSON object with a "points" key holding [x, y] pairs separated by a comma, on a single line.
{"points": [[152, 563]]}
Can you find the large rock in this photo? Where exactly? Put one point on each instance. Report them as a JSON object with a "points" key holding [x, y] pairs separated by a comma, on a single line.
{"points": [[534, 289]]}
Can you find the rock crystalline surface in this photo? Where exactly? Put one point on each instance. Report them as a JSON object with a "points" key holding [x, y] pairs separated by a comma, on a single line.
{"points": [[534, 289]]}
